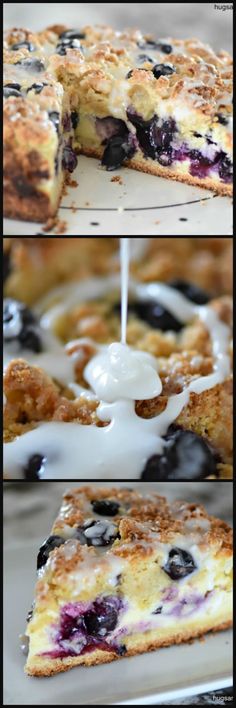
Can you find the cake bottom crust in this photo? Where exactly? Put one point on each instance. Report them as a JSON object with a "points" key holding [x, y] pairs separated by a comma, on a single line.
{"points": [[41, 666], [153, 168]]}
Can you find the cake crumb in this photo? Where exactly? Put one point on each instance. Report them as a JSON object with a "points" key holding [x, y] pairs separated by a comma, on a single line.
{"points": [[117, 178]]}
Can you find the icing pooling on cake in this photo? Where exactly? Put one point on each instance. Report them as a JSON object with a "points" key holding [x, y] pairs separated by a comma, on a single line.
{"points": [[118, 376]]}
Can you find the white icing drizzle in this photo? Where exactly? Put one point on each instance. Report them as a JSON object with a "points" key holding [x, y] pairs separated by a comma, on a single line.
{"points": [[124, 250], [117, 375]]}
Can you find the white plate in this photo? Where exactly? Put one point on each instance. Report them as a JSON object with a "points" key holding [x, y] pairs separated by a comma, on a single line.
{"points": [[142, 205], [159, 676]]}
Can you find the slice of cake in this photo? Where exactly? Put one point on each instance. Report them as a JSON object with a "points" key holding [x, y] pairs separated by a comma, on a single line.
{"points": [[122, 574]]}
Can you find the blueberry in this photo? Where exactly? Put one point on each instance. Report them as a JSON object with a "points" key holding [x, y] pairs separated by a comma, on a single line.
{"points": [[20, 45], [145, 131], [180, 563], [67, 44], [130, 73], [144, 57], [162, 70], [46, 548], [61, 50], [225, 168], [36, 87], [97, 533], [150, 43], [191, 291], [121, 650], [105, 507], [55, 118], [165, 158], [35, 466], [101, 619], [155, 315], [69, 159], [186, 456], [32, 64], [72, 34], [8, 91], [74, 119], [109, 127], [157, 611], [165, 48], [116, 151], [19, 324], [222, 119]]}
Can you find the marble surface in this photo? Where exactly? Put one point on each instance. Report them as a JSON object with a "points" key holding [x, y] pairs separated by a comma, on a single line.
{"points": [[207, 21], [29, 510]]}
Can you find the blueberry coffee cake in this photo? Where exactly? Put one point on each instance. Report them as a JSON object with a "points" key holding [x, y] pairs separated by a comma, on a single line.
{"points": [[80, 404], [121, 574], [162, 106]]}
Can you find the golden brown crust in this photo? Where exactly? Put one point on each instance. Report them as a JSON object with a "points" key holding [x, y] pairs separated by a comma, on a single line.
{"points": [[153, 168], [101, 657]]}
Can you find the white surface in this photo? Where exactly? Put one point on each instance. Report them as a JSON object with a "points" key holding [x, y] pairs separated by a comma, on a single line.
{"points": [[169, 673], [142, 204]]}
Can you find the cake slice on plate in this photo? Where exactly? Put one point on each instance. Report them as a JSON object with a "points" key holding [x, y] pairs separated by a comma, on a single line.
{"points": [[122, 574]]}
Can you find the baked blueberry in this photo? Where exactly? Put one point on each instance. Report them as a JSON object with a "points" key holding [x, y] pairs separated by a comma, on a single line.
{"points": [[32, 64], [19, 324], [152, 44], [105, 507], [121, 650], [69, 159], [46, 548], [222, 119], [102, 618], [61, 49], [186, 456], [20, 45], [155, 315], [9, 91], [37, 88], [72, 34], [74, 119], [55, 118], [163, 70], [145, 131], [180, 563], [165, 158], [116, 151], [225, 168], [157, 611], [13, 86], [191, 291], [144, 57], [97, 533], [34, 467]]}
